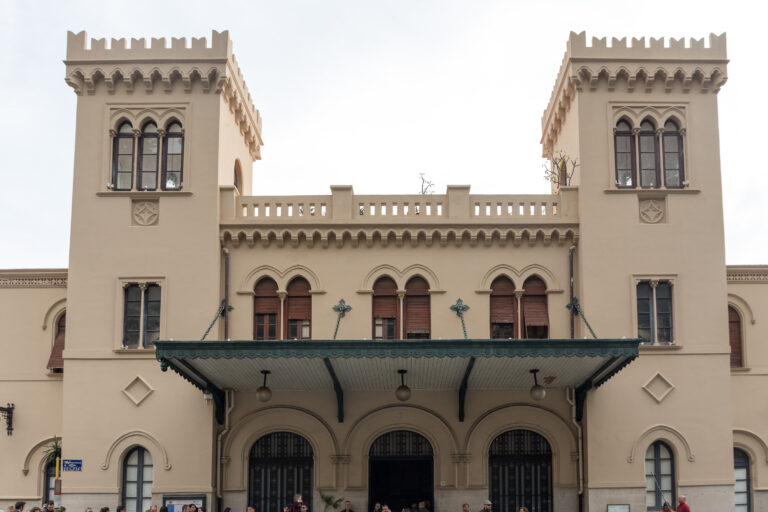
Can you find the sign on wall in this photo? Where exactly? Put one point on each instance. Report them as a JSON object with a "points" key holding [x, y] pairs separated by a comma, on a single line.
{"points": [[72, 465]]}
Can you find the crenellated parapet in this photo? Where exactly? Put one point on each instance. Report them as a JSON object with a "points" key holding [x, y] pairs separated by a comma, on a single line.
{"points": [[158, 67], [657, 65]]}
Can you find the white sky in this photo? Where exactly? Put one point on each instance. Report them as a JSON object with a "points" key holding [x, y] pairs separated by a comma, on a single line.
{"points": [[368, 93]]}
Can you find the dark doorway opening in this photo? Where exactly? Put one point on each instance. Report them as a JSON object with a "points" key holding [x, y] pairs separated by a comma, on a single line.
{"points": [[520, 469], [280, 466], [401, 471]]}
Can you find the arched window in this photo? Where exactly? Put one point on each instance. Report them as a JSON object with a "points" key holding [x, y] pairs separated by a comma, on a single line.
{"points": [[238, 177], [49, 481], [173, 157], [386, 310], [417, 309], [520, 471], [122, 158], [649, 155], [673, 155], [280, 466], [734, 335], [534, 304], [148, 153], [503, 308], [742, 485], [624, 144], [298, 310], [137, 480], [266, 310], [56, 361], [659, 476]]}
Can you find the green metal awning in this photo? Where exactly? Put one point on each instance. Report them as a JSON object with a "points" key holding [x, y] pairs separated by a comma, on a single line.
{"points": [[346, 365]]}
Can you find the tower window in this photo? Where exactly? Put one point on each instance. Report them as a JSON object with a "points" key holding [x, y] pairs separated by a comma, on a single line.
{"points": [[624, 144], [122, 158], [673, 155], [148, 153], [649, 156], [173, 157]]}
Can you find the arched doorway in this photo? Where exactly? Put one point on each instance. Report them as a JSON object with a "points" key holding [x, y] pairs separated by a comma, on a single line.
{"points": [[401, 470], [520, 471], [279, 466]]}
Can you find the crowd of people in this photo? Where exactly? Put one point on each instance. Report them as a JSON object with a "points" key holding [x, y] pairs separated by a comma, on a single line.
{"points": [[298, 505]]}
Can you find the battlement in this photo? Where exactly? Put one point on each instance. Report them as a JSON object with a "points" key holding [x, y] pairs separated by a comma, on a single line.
{"points": [[179, 65], [658, 49], [77, 48], [642, 65]]}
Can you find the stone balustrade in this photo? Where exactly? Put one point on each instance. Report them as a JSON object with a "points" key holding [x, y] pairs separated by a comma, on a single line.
{"points": [[342, 206]]}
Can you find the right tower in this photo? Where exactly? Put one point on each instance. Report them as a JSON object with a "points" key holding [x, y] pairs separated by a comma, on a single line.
{"points": [[642, 122]]}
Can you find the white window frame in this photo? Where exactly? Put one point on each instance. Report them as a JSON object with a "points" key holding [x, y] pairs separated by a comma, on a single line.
{"points": [[124, 282], [672, 280]]}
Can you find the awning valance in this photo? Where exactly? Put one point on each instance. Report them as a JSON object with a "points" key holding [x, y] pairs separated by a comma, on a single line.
{"points": [[346, 365]]}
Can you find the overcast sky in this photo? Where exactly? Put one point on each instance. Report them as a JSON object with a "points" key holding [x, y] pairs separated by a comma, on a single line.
{"points": [[367, 93]]}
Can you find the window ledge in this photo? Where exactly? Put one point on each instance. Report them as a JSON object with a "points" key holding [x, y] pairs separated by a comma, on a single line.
{"points": [[651, 192], [54, 375], [660, 348], [741, 370], [149, 194], [148, 352]]}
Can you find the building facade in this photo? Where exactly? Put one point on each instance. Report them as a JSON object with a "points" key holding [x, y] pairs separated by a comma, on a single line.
{"points": [[563, 352]]}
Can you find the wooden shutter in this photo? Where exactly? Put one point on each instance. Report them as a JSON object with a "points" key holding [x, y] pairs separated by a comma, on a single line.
{"points": [[266, 302], [417, 306], [417, 314], [503, 303], [56, 361], [535, 310], [534, 303], [298, 308], [734, 334]]}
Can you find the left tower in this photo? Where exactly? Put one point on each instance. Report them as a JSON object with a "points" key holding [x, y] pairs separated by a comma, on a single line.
{"points": [[160, 129]]}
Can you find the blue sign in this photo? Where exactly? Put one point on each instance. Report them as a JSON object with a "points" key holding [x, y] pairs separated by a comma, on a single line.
{"points": [[72, 465]]}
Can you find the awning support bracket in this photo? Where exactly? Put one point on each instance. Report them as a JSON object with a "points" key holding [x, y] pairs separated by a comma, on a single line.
{"points": [[463, 388], [337, 389], [203, 384], [581, 391]]}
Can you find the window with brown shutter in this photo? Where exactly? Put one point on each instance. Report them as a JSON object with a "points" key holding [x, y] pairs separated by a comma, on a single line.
{"points": [[386, 310], [503, 308], [298, 310], [417, 309], [266, 310], [734, 333], [56, 361], [534, 304]]}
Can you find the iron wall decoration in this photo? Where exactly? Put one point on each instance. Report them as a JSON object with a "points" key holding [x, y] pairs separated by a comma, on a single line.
{"points": [[7, 414]]}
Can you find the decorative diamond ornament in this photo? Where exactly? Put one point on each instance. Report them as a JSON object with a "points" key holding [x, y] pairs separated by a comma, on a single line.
{"points": [[658, 387], [137, 390]]}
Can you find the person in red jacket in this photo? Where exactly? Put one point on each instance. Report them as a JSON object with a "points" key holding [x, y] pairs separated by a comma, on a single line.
{"points": [[682, 506], [297, 503]]}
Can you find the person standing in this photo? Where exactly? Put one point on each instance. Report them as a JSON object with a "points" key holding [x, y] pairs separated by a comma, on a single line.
{"points": [[465, 507], [377, 507], [487, 506], [348, 506], [682, 506]]}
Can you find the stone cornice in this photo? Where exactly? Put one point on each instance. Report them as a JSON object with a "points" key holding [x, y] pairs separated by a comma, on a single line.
{"points": [[33, 278], [167, 68], [638, 67], [310, 236], [747, 273]]}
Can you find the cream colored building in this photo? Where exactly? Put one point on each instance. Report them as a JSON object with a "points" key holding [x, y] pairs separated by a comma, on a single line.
{"points": [[647, 401]]}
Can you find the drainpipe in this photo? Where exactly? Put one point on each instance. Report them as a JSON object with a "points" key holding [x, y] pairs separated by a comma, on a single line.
{"points": [[571, 249], [229, 397], [570, 395], [226, 295]]}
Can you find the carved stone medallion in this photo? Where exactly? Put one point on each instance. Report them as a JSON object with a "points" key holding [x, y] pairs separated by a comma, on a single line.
{"points": [[652, 211], [146, 213]]}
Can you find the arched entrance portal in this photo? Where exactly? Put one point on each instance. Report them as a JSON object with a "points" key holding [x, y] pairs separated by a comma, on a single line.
{"points": [[279, 466], [520, 472], [401, 470]]}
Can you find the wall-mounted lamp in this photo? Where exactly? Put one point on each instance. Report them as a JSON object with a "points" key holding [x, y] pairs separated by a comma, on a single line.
{"points": [[402, 392], [7, 413], [537, 391], [208, 397], [264, 393]]}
